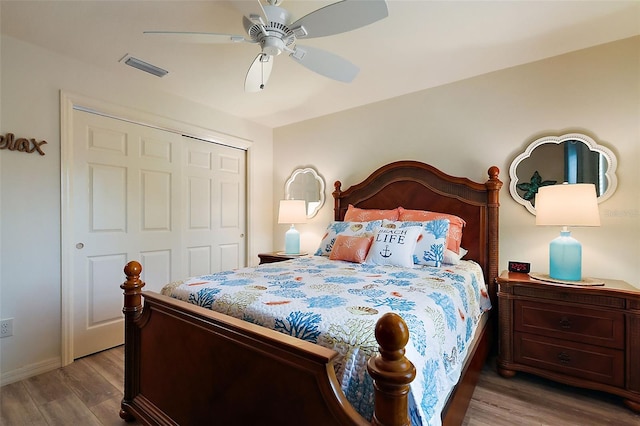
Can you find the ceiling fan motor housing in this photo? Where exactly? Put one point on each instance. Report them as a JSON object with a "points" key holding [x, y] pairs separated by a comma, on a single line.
{"points": [[275, 36]]}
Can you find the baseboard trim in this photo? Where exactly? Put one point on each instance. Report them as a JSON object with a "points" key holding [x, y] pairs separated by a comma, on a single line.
{"points": [[30, 370]]}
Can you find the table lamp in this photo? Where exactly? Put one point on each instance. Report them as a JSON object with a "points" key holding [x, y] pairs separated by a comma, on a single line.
{"points": [[566, 205], [292, 211]]}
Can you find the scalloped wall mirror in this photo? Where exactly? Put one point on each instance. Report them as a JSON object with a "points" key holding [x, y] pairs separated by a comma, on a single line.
{"points": [[306, 184], [572, 158]]}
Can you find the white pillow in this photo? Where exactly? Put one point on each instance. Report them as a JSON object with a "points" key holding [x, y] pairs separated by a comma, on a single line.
{"points": [[453, 258], [350, 229], [394, 246], [432, 242]]}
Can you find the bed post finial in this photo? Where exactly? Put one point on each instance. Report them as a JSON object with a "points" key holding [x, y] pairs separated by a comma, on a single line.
{"points": [[132, 287], [493, 172], [391, 372]]}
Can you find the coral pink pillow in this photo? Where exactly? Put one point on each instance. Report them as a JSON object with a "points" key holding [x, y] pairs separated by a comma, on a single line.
{"points": [[355, 214], [454, 237], [351, 249]]}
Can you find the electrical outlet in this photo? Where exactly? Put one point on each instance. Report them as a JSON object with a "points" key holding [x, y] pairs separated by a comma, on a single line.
{"points": [[6, 327]]}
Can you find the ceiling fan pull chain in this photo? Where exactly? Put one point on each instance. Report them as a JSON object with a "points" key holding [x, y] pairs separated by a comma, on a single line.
{"points": [[264, 58]]}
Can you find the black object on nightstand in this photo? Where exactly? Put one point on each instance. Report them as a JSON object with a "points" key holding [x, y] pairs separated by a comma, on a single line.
{"points": [[523, 267], [275, 256]]}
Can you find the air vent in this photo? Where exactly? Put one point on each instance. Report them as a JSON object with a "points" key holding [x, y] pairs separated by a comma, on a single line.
{"points": [[144, 66]]}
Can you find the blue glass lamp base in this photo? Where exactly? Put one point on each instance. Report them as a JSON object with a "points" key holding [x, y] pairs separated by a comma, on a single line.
{"points": [[292, 241], [565, 258]]}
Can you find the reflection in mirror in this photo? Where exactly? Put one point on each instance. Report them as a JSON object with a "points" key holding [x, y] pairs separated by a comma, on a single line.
{"points": [[551, 160], [305, 184]]}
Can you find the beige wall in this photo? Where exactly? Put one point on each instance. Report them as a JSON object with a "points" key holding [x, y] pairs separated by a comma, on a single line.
{"points": [[465, 127], [30, 265]]}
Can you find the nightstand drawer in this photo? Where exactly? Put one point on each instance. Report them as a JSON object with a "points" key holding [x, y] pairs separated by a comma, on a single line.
{"points": [[578, 324], [587, 362]]}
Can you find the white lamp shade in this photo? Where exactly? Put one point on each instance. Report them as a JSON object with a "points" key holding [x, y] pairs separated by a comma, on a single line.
{"points": [[567, 205], [292, 211]]}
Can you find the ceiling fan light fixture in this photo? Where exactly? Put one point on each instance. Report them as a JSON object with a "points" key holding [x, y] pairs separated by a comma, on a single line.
{"points": [[144, 66], [272, 46]]}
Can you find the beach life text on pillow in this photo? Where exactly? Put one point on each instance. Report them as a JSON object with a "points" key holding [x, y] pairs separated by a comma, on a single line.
{"points": [[394, 246]]}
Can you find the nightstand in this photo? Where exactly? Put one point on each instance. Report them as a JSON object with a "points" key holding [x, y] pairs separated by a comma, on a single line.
{"points": [[276, 256], [582, 336]]}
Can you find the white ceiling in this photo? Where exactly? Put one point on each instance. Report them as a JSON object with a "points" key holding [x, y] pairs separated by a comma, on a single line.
{"points": [[421, 44]]}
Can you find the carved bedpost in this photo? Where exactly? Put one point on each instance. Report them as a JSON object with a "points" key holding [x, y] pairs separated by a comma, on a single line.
{"points": [[336, 200], [391, 372], [493, 186], [132, 310]]}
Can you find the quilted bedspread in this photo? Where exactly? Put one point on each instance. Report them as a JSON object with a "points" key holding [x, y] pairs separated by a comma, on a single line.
{"points": [[336, 304]]}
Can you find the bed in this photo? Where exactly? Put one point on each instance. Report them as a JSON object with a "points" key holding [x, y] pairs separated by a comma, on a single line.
{"points": [[186, 364]]}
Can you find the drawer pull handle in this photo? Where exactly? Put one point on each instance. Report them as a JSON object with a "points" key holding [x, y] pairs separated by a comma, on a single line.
{"points": [[564, 358], [565, 322]]}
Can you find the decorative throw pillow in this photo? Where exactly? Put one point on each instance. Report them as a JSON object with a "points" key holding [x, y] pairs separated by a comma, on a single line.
{"points": [[365, 215], [393, 246], [454, 238], [452, 258], [353, 229], [351, 249], [432, 241]]}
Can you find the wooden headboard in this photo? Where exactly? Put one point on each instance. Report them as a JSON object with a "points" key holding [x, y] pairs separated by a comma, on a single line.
{"points": [[419, 186]]}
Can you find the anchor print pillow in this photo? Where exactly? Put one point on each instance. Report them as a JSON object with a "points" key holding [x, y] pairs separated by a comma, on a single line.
{"points": [[432, 241], [351, 229], [394, 246]]}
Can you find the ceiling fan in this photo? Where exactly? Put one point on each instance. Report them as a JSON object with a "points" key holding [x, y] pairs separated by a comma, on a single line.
{"points": [[271, 27]]}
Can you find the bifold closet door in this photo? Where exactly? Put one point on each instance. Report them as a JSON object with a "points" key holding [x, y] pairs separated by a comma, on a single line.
{"points": [[175, 204]]}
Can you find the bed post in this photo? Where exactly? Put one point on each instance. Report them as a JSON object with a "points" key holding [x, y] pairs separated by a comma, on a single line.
{"points": [[493, 186], [391, 372], [336, 200], [132, 310]]}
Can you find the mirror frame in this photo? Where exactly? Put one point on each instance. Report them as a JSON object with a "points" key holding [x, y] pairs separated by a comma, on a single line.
{"points": [[317, 177], [610, 173]]}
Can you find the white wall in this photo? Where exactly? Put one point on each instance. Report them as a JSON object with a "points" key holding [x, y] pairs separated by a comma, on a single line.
{"points": [[31, 80], [465, 127]]}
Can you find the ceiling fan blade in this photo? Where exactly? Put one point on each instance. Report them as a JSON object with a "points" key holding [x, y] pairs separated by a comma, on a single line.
{"points": [[325, 63], [258, 73], [252, 10], [340, 17], [198, 37]]}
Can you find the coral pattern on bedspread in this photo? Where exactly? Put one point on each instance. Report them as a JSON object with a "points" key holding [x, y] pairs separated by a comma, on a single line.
{"points": [[336, 304]]}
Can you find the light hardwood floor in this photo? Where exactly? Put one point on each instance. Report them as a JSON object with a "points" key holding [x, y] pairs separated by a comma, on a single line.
{"points": [[88, 392]]}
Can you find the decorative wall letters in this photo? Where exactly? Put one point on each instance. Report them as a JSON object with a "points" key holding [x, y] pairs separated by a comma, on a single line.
{"points": [[21, 144]]}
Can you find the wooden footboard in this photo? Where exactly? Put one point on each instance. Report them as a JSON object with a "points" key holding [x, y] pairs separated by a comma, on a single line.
{"points": [[188, 365]]}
